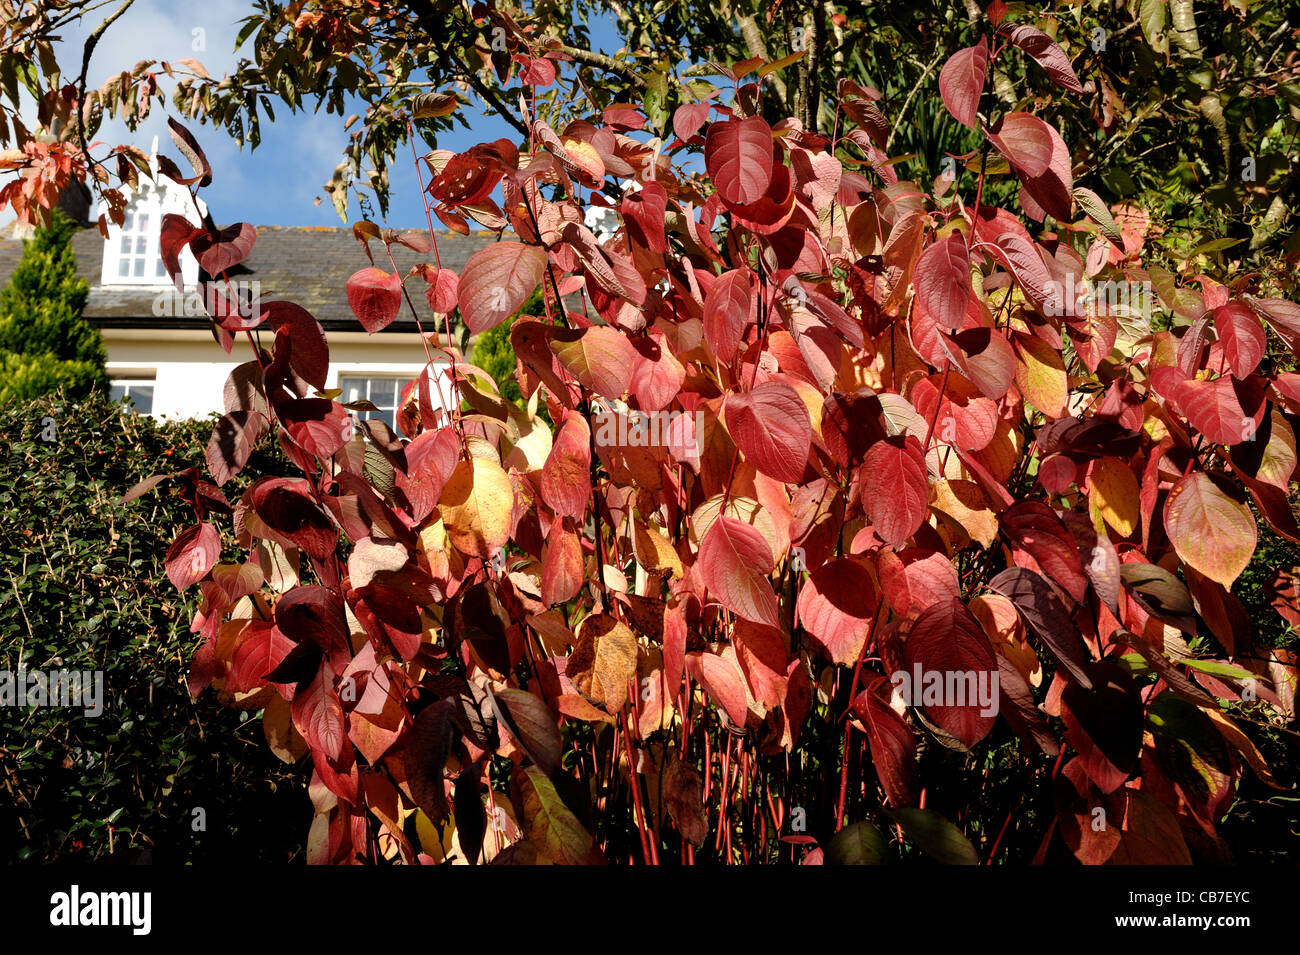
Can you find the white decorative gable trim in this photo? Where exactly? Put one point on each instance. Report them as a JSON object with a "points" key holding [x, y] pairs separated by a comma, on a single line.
{"points": [[131, 255]]}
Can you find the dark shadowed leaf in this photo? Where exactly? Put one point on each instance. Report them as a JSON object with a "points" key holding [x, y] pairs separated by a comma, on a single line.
{"points": [[936, 836], [858, 844], [1046, 617]]}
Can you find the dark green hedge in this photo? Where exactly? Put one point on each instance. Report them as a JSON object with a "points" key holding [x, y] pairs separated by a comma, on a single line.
{"points": [[82, 586]]}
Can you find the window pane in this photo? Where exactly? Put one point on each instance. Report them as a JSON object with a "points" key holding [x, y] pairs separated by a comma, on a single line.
{"points": [[139, 268], [354, 389], [116, 392], [383, 392], [126, 245], [142, 398], [140, 244], [158, 268], [128, 222], [142, 223], [123, 267]]}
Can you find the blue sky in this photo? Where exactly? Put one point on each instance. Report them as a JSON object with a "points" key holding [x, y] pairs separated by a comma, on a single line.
{"points": [[280, 181]]}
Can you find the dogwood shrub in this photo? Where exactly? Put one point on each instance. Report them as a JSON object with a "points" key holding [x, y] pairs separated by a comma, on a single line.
{"points": [[866, 518]]}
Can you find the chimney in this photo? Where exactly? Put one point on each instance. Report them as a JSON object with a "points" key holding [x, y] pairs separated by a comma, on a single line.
{"points": [[74, 202]]}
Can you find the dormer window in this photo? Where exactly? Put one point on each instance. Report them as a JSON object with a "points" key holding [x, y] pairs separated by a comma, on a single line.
{"points": [[132, 255], [138, 258]]}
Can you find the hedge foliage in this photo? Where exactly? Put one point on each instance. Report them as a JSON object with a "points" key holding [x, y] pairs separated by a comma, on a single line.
{"points": [[82, 587]]}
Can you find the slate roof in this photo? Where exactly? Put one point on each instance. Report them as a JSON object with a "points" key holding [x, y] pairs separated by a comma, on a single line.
{"points": [[308, 265]]}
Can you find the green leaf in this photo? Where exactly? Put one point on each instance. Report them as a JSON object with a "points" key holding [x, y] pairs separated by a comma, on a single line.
{"points": [[1215, 245], [548, 823], [1152, 14], [1189, 747], [858, 844], [1214, 668], [1096, 210], [936, 836]]}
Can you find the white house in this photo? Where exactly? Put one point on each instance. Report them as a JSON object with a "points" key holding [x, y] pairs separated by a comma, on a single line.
{"points": [[162, 353]]}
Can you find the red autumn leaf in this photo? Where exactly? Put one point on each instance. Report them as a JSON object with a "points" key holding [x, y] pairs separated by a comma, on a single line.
{"points": [[425, 748], [318, 715], [962, 417], [496, 281], [891, 741], [722, 681], [562, 564], [837, 606], [317, 425], [738, 156], [608, 268], [288, 509], [600, 357], [688, 118], [961, 82], [985, 357], [233, 438], [1046, 616], [942, 281], [1019, 256], [1215, 409], [194, 552], [913, 579], [312, 613], [375, 297], [730, 308], [947, 651], [310, 352], [566, 476], [896, 488], [1242, 336], [1104, 724], [1048, 54], [262, 650], [734, 562], [850, 425], [762, 654], [772, 427], [643, 214], [1050, 192], [430, 459], [535, 71], [223, 250], [657, 374], [192, 151], [1041, 542], [1026, 141], [175, 234], [442, 291]]}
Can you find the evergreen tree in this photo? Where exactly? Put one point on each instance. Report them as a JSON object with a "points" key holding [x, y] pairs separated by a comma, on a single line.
{"points": [[495, 355], [45, 343]]}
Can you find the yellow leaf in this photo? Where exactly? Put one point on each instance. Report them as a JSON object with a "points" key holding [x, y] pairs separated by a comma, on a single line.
{"points": [[476, 506], [603, 661], [653, 550], [964, 503], [1114, 494], [1040, 375]]}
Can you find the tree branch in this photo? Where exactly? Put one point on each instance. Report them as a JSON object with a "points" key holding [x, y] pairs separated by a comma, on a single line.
{"points": [[91, 42], [601, 61]]}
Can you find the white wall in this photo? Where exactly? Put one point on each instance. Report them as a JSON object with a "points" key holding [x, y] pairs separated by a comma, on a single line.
{"points": [[190, 369]]}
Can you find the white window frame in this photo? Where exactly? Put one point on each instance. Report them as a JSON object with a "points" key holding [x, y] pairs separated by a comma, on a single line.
{"points": [[399, 382], [137, 382], [149, 256]]}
